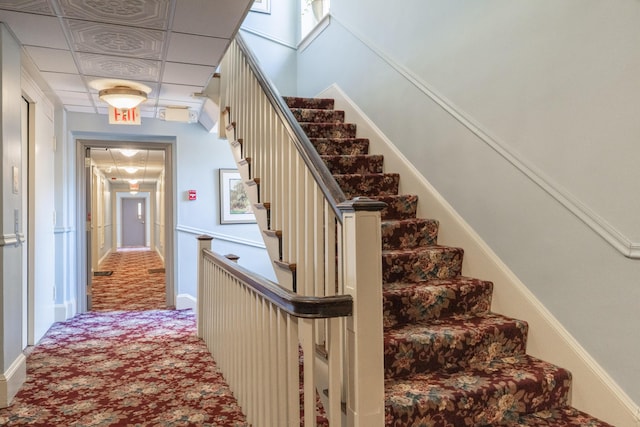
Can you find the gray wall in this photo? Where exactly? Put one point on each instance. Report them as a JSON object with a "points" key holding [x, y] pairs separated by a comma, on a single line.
{"points": [[522, 114]]}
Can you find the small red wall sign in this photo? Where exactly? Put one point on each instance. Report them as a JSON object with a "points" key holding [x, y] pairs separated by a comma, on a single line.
{"points": [[192, 194]]}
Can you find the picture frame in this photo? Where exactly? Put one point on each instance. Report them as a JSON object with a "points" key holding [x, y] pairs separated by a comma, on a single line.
{"points": [[262, 6], [235, 206]]}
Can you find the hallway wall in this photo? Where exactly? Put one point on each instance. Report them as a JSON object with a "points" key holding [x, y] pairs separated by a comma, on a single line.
{"points": [[197, 157], [502, 106]]}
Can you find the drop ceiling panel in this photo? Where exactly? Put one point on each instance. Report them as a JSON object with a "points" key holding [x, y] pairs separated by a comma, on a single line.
{"points": [[186, 73], [118, 67], [176, 92], [214, 18], [80, 109], [75, 98], [30, 6], [170, 44], [116, 39], [147, 13], [64, 82], [196, 49], [35, 30], [55, 60]]}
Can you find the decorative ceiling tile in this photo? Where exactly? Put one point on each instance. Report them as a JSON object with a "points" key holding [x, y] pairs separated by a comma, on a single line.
{"points": [[141, 13], [27, 6], [116, 40], [113, 66]]}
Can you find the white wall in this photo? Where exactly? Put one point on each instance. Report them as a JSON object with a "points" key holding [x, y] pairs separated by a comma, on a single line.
{"points": [[273, 39], [521, 115]]}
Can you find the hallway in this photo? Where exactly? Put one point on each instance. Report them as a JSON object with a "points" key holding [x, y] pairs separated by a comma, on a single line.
{"points": [[134, 280], [128, 362]]}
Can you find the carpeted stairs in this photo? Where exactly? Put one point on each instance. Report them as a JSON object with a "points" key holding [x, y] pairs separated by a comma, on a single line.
{"points": [[449, 360]]}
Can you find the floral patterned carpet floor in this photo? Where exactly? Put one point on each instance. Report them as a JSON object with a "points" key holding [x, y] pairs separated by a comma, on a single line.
{"points": [[137, 282], [124, 367]]}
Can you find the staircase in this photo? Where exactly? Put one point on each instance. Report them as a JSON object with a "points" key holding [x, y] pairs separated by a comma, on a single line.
{"points": [[449, 360]]}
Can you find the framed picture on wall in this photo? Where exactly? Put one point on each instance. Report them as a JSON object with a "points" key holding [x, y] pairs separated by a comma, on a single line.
{"points": [[262, 6], [235, 206]]}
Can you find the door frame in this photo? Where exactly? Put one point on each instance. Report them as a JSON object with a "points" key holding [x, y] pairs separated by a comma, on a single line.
{"points": [[81, 211]]}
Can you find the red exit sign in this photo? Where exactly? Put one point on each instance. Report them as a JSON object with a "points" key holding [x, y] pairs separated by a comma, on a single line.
{"points": [[119, 116]]}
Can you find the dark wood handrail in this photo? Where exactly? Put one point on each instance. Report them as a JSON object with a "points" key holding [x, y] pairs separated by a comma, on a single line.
{"points": [[290, 302], [328, 185]]}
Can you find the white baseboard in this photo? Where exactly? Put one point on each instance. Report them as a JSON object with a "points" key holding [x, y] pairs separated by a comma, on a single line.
{"points": [[65, 311], [185, 301], [593, 389], [12, 380]]}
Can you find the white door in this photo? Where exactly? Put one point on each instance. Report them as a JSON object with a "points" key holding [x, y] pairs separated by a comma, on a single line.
{"points": [[41, 239], [133, 226]]}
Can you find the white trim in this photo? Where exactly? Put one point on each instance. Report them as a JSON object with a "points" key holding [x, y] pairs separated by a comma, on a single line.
{"points": [[10, 240], [219, 236], [266, 36], [12, 379], [594, 391], [594, 221], [65, 311], [186, 301], [315, 32]]}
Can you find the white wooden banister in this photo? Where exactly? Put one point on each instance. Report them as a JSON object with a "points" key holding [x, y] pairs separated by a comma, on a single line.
{"points": [[329, 247]]}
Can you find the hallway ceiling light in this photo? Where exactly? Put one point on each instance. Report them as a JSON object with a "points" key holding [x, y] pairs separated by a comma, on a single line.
{"points": [[131, 169], [133, 181], [122, 97], [129, 152]]}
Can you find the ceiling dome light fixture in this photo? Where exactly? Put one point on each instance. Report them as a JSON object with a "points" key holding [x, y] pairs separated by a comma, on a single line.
{"points": [[122, 97], [128, 152], [131, 169]]}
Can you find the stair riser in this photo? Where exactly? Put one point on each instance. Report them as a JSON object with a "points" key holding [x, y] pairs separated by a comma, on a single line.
{"points": [[318, 116], [341, 146], [433, 263], [403, 235], [329, 130], [404, 305], [353, 164], [368, 185], [398, 206], [451, 347]]}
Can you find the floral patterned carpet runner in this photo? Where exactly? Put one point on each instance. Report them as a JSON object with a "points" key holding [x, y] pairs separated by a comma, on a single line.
{"points": [[449, 361]]}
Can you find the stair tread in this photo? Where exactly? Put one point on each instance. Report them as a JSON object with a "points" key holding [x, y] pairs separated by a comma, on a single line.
{"points": [[486, 394], [566, 416], [302, 102], [454, 342], [354, 164]]}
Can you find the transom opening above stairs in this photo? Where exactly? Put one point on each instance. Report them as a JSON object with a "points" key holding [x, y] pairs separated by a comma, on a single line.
{"points": [[448, 359]]}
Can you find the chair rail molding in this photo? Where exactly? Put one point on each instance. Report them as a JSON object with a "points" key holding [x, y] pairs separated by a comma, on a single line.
{"points": [[595, 222], [220, 236]]}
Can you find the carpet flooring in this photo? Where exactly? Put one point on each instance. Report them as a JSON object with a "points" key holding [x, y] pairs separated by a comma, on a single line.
{"points": [[137, 282], [127, 363]]}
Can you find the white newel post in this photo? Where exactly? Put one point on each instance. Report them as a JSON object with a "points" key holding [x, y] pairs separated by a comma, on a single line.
{"points": [[362, 246], [204, 242]]}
